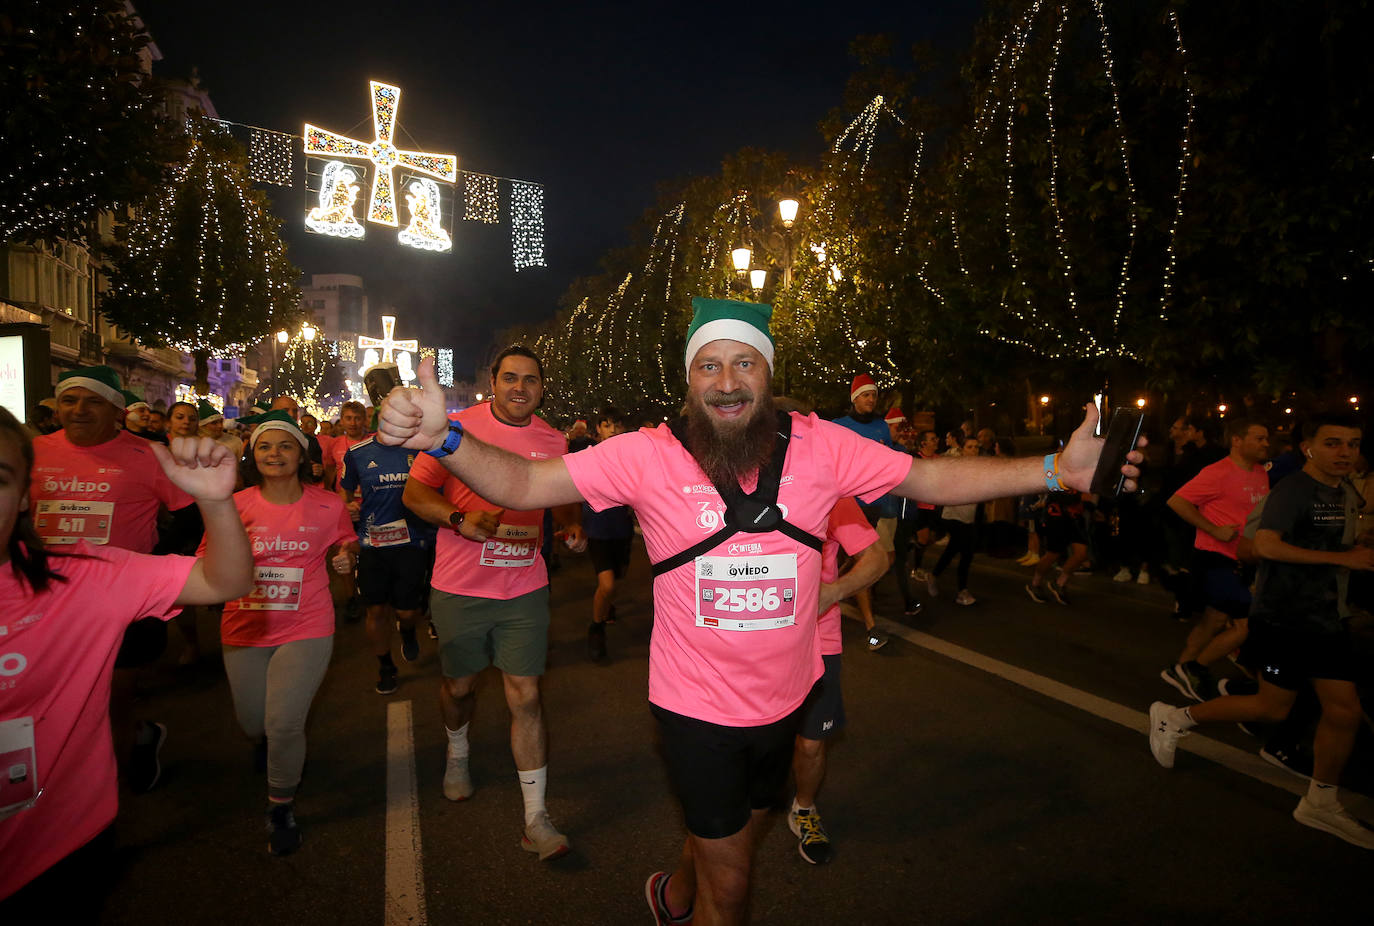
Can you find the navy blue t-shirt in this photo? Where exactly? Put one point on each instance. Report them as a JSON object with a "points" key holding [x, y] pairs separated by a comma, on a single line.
{"points": [[878, 430], [380, 472]]}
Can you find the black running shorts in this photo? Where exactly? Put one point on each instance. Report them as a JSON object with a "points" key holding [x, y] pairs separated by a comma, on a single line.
{"points": [[397, 576], [823, 713], [722, 774], [1290, 656], [144, 642], [1060, 533], [610, 555]]}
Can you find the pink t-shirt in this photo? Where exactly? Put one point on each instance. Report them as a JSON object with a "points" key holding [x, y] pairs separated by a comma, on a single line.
{"points": [[848, 528], [290, 598], [338, 446], [106, 494], [57, 652], [734, 639], [508, 564], [1225, 494]]}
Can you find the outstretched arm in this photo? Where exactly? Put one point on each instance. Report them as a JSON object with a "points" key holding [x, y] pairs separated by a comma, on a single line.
{"points": [[415, 418], [961, 480]]}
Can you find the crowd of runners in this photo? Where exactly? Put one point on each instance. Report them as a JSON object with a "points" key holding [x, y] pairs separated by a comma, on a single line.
{"points": [[757, 516]]}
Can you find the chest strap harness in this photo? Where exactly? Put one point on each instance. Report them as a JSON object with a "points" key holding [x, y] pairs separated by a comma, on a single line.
{"points": [[754, 513]]}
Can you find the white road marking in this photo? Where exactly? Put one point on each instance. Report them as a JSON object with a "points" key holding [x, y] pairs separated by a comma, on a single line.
{"points": [[405, 870], [1238, 760]]}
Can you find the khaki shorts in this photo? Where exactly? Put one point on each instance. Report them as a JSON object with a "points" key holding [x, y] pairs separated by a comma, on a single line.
{"points": [[510, 633]]}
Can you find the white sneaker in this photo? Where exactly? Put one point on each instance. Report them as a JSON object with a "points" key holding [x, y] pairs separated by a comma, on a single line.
{"points": [[540, 837], [920, 575], [1030, 559], [1164, 735], [1143, 578], [1335, 820], [457, 780], [1122, 575], [964, 598]]}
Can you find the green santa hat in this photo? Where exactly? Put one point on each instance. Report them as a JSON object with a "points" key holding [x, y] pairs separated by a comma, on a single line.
{"points": [[207, 412], [279, 420], [103, 381], [133, 402], [717, 319]]}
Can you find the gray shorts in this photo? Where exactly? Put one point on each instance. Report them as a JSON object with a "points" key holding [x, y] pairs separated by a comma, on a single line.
{"points": [[510, 633]]}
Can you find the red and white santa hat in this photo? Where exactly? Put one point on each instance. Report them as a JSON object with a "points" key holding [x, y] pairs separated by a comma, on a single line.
{"points": [[894, 416], [862, 383]]}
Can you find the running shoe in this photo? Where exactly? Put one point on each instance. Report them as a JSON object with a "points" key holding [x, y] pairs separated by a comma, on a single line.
{"points": [[145, 767], [814, 844], [964, 598], [876, 639], [913, 609], [1122, 575], [1292, 759], [1030, 559], [1036, 593], [1164, 733], [656, 895], [1059, 593], [541, 838], [386, 680], [1335, 820], [1234, 687], [410, 645], [284, 836], [457, 779], [1143, 578], [1184, 680], [920, 575], [596, 642]]}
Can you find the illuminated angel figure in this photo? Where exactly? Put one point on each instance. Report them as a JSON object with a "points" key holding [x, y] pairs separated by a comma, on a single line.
{"points": [[424, 230], [338, 193]]}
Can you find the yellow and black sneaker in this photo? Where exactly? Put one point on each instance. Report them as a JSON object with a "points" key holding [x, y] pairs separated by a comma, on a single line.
{"points": [[814, 844]]}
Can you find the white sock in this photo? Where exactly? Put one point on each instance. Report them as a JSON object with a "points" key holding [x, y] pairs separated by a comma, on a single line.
{"points": [[1322, 795], [532, 788], [458, 742], [796, 807]]}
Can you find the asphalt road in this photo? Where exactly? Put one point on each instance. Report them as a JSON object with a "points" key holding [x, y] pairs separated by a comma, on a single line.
{"points": [[994, 770]]}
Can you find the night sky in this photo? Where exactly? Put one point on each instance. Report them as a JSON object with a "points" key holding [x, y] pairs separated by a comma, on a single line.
{"points": [[600, 103]]}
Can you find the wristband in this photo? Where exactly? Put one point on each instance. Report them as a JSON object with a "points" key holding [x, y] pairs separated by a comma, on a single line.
{"points": [[451, 441], [1052, 481]]}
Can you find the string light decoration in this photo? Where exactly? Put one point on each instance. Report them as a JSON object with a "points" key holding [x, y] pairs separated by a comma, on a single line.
{"points": [[424, 233], [338, 194], [392, 350], [527, 224], [444, 367], [269, 157], [481, 202], [348, 351], [381, 152]]}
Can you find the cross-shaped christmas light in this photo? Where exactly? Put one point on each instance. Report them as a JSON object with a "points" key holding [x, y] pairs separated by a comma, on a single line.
{"points": [[386, 100], [387, 343]]}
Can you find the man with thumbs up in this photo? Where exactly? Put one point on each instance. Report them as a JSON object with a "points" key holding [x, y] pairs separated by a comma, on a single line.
{"points": [[490, 603]]}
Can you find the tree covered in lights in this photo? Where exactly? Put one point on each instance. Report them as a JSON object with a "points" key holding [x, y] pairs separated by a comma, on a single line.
{"points": [[82, 126], [310, 372], [201, 267]]}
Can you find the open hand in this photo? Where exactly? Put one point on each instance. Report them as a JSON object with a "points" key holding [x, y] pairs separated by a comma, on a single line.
{"points": [[415, 418]]}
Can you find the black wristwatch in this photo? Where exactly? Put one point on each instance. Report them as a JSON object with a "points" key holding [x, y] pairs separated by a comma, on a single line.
{"points": [[455, 520]]}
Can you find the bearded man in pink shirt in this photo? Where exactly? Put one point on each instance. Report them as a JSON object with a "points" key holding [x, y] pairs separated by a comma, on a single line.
{"points": [[734, 500]]}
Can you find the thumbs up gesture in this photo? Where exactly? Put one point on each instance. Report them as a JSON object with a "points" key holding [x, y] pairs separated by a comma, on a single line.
{"points": [[416, 419]]}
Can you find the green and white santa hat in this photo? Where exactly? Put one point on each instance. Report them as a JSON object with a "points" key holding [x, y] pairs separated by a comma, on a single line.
{"points": [[207, 413], [279, 420], [729, 319], [133, 402], [101, 380]]}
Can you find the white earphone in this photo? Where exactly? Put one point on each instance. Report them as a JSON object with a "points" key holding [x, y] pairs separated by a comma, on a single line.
{"points": [[1309, 454]]}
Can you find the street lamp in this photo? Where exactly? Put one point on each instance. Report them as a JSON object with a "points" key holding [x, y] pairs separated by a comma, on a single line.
{"points": [[741, 257], [787, 211], [282, 336], [308, 331], [757, 278]]}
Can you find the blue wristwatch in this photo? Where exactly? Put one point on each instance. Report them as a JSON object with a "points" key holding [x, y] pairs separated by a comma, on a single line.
{"points": [[451, 442]]}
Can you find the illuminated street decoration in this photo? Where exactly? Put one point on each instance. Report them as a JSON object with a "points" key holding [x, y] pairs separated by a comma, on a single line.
{"points": [[527, 224], [445, 367], [382, 152], [338, 193], [392, 350], [269, 157], [481, 203], [424, 232]]}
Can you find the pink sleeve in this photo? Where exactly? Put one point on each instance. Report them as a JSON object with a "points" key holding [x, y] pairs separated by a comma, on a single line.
{"points": [[862, 466], [608, 474], [343, 527], [850, 528], [144, 585], [1201, 489], [429, 471]]}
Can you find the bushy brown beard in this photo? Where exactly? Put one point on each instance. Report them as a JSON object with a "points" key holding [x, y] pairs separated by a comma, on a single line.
{"points": [[729, 452]]}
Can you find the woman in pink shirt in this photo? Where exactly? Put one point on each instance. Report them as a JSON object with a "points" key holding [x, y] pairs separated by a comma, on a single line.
{"points": [[62, 617], [277, 639]]}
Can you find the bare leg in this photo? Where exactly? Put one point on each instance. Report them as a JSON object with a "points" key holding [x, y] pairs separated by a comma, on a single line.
{"points": [[1336, 731], [808, 765], [457, 699], [1228, 640], [528, 740], [1207, 627], [601, 599], [1078, 555], [1271, 703], [716, 872]]}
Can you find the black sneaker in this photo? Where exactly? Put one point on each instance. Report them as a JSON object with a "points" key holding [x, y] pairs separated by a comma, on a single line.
{"points": [[913, 609], [284, 836], [386, 680], [410, 646], [1292, 759], [1237, 686], [596, 642], [876, 639], [814, 844], [145, 769], [1036, 593], [1059, 593]]}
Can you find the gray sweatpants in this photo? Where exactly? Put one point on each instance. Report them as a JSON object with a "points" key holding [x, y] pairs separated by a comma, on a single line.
{"points": [[272, 688]]}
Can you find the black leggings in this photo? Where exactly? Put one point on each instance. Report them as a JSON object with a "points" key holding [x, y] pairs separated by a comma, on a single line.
{"points": [[962, 540]]}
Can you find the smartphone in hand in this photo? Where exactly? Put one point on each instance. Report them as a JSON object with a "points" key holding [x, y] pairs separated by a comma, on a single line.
{"points": [[379, 380], [1122, 434]]}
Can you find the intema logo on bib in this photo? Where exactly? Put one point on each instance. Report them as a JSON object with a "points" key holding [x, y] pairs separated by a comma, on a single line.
{"points": [[52, 484], [736, 548], [278, 545]]}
